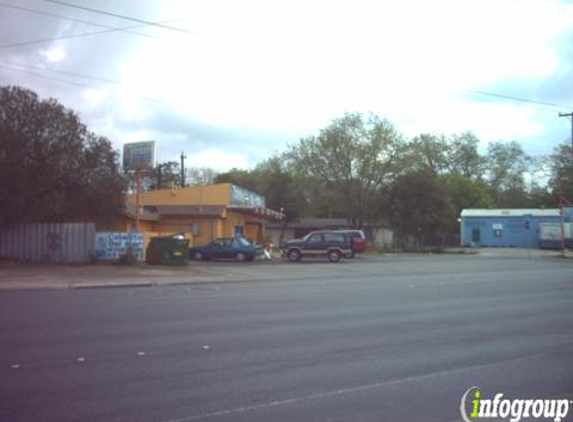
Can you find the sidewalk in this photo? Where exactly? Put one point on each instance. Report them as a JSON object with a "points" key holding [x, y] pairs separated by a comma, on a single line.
{"points": [[21, 276], [50, 276]]}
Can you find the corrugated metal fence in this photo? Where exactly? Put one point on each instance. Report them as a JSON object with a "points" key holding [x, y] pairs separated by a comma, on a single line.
{"points": [[62, 243]]}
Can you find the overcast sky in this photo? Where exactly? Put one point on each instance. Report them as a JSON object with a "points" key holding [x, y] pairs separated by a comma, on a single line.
{"points": [[238, 80]]}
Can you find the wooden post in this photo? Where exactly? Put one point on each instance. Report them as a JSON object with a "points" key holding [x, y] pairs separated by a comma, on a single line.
{"points": [[562, 226]]}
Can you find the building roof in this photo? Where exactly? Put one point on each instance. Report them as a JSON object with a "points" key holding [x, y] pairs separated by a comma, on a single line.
{"points": [[147, 213], [209, 210], [511, 212]]}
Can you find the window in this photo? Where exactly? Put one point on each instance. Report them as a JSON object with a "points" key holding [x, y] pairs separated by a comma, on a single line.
{"points": [[334, 237], [240, 241], [315, 238]]}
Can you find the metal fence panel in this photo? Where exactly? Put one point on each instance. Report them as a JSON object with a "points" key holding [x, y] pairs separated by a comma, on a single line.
{"points": [[68, 243]]}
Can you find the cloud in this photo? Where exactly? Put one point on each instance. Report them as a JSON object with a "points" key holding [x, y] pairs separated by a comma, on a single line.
{"points": [[261, 75]]}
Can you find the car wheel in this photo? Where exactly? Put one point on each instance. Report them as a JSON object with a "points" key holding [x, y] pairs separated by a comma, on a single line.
{"points": [[198, 256], [294, 255], [350, 255], [240, 257], [334, 256]]}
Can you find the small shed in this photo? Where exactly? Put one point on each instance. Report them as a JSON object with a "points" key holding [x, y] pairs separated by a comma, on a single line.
{"points": [[516, 228]]}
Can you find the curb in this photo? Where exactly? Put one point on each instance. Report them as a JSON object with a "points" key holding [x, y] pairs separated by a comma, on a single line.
{"points": [[79, 286]]}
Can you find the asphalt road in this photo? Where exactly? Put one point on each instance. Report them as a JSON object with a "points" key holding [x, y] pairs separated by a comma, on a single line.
{"points": [[390, 339]]}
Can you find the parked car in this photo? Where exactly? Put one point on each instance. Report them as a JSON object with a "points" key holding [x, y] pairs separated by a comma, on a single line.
{"points": [[358, 241], [236, 247], [331, 244]]}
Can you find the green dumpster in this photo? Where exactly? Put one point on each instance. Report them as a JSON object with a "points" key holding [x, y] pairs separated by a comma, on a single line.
{"points": [[168, 250]]}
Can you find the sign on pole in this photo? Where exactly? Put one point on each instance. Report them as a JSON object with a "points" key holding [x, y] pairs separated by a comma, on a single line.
{"points": [[138, 155]]}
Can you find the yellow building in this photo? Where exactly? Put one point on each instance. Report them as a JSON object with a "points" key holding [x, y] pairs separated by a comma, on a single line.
{"points": [[202, 213]]}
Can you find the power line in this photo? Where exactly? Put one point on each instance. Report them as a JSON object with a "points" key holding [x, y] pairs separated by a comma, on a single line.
{"points": [[117, 82], [523, 100], [62, 72], [67, 37], [84, 85], [116, 15], [53, 15]]}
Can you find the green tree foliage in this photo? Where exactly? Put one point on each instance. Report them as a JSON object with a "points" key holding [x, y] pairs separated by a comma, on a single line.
{"points": [[561, 170], [161, 176], [353, 158], [51, 167], [164, 175], [506, 164], [428, 152], [243, 178], [462, 192], [464, 157], [419, 205]]}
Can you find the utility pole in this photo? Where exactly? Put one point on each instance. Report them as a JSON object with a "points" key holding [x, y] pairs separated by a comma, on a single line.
{"points": [[137, 197], [570, 115], [183, 157], [561, 197], [159, 177]]}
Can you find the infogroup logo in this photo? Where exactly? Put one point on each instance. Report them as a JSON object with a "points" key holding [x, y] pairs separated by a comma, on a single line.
{"points": [[513, 409]]}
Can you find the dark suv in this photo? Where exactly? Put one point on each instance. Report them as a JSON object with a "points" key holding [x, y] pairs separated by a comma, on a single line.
{"points": [[329, 243]]}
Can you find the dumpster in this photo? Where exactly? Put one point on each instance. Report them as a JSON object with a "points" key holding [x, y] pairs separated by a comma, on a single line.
{"points": [[168, 250]]}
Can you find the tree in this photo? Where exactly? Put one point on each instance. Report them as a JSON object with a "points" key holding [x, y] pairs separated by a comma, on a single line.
{"points": [[561, 170], [464, 157], [463, 192], [506, 165], [419, 205], [164, 175], [353, 158], [428, 152], [200, 176], [161, 176], [51, 167], [243, 178]]}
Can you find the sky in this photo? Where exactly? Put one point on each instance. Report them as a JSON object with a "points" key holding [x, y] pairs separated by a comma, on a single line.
{"points": [[230, 83]]}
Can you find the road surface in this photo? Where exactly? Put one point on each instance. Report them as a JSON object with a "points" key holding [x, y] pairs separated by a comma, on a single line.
{"points": [[389, 339]]}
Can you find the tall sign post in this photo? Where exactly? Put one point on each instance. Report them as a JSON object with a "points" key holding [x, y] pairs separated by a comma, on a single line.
{"points": [[562, 226], [137, 197], [138, 156], [566, 211]]}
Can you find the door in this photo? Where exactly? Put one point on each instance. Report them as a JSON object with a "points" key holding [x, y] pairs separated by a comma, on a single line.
{"points": [[314, 244], [221, 248], [476, 236], [227, 250]]}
